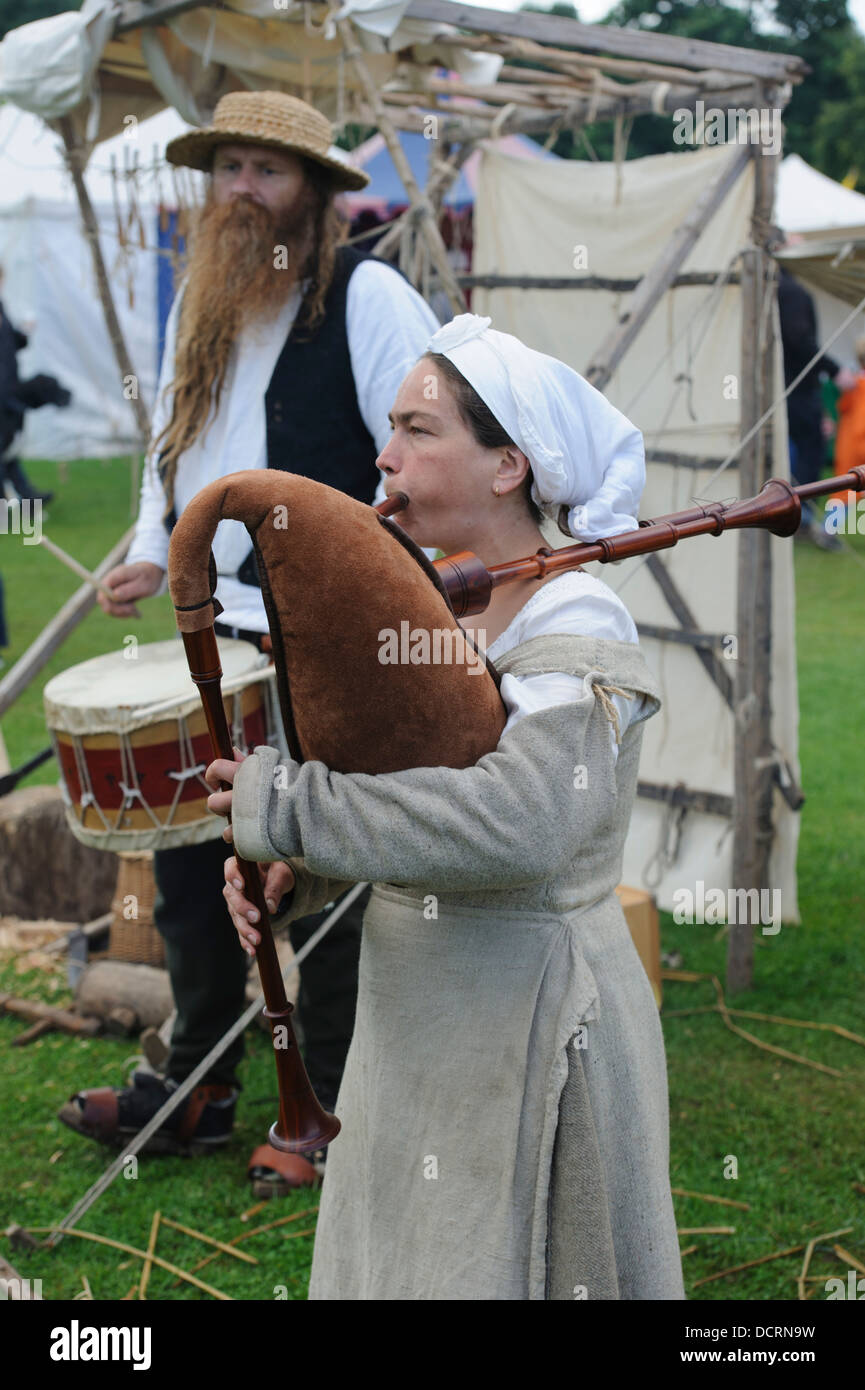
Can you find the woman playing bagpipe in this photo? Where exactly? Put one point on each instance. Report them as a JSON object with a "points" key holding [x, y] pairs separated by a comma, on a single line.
{"points": [[504, 1105]]}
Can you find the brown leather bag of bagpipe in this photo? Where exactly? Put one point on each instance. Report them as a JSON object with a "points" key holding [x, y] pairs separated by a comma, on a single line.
{"points": [[334, 574]]}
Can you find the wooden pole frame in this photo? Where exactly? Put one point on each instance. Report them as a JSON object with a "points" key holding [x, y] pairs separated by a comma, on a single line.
{"points": [[55, 632], [597, 38], [754, 762], [436, 190], [421, 206], [75, 161]]}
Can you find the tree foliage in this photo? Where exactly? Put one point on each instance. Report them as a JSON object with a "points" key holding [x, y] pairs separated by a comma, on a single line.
{"points": [[14, 13]]}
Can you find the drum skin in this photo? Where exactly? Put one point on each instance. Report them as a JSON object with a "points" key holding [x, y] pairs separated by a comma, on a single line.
{"points": [[345, 590]]}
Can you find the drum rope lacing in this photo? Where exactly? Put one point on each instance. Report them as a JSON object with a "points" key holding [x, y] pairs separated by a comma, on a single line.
{"points": [[188, 768], [88, 797], [128, 785]]}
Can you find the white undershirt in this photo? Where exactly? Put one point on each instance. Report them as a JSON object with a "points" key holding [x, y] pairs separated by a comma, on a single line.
{"points": [[574, 603]]}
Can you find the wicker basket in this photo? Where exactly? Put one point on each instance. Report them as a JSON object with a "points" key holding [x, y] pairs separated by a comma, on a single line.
{"points": [[133, 936]]}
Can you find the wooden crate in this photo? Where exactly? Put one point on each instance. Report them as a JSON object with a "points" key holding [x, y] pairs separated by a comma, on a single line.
{"points": [[641, 915]]}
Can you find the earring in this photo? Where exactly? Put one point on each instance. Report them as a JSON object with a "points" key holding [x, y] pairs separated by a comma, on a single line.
{"points": [[496, 490]]}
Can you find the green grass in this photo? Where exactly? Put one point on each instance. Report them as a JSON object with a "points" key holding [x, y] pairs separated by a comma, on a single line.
{"points": [[795, 1132], [92, 508]]}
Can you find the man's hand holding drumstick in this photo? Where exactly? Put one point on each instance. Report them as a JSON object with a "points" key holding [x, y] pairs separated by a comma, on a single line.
{"points": [[117, 590], [278, 879], [127, 583]]}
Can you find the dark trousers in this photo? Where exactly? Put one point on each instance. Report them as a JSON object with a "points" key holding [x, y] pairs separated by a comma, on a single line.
{"points": [[805, 425], [208, 970]]}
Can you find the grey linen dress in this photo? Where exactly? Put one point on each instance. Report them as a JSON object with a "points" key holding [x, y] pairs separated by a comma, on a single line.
{"points": [[504, 1103]]}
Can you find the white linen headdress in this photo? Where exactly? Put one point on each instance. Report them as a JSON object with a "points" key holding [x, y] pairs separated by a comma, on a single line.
{"points": [[585, 455]]}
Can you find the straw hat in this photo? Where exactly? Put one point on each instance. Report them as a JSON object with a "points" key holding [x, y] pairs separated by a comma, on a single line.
{"points": [[265, 118]]}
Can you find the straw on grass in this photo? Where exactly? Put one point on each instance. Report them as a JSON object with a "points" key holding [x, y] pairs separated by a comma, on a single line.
{"points": [[142, 1255], [148, 1258]]}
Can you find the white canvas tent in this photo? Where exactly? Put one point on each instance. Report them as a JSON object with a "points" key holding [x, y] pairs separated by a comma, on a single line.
{"points": [[825, 225], [50, 287], [811, 204]]}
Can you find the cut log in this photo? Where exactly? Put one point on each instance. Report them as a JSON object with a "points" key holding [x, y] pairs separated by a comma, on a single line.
{"points": [[34, 1011], [109, 985], [122, 1021], [46, 872]]}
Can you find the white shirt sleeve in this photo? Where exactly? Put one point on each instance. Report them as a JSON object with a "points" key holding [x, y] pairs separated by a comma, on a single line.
{"points": [[586, 607], [388, 326], [151, 539], [528, 694]]}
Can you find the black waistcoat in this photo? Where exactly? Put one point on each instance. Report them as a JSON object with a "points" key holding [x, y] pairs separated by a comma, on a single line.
{"points": [[314, 425]]}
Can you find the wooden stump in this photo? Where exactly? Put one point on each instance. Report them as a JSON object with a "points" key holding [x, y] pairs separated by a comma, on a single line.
{"points": [[46, 872]]}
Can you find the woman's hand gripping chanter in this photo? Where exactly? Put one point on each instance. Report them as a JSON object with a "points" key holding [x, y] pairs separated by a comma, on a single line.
{"points": [[278, 879]]}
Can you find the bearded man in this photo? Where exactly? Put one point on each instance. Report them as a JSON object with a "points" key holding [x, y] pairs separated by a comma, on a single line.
{"points": [[284, 349]]}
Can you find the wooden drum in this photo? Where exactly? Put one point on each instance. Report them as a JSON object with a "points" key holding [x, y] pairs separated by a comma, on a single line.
{"points": [[133, 746]]}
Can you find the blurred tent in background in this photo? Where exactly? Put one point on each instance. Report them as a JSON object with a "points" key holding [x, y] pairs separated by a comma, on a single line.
{"points": [[824, 223], [385, 193], [50, 290]]}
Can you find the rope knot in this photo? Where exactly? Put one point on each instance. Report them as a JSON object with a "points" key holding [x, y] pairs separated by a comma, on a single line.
{"points": [[603, 693]]}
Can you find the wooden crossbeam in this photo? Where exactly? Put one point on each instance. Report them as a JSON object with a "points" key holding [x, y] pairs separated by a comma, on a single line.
{"points": [[474, 121], [141, 14], [677, 460], [685, 636], [602, 38], [585, 282], [710, 803]]}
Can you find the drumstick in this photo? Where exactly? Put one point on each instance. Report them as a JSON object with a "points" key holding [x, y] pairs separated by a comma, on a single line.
{"points": [[78, 569]]}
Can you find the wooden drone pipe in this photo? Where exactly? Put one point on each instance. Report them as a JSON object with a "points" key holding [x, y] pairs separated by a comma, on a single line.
{"points": [[776, 508], [303, 1123]]}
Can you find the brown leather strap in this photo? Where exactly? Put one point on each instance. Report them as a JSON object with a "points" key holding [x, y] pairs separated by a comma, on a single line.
{"points": [[201, 1096], [99, 1113]]}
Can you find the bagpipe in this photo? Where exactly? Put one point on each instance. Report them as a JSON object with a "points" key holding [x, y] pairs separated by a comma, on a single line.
{"points": [[337, 576]]}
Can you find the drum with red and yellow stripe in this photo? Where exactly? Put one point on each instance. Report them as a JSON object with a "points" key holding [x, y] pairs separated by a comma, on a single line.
{"points": [[133, 746]]}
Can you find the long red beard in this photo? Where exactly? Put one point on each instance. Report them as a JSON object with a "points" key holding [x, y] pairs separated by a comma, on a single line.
{"points": [[244, 266], [245, 262]]}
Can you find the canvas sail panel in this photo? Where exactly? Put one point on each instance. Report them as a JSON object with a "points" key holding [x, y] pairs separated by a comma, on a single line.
{"points": [[679, 382]]}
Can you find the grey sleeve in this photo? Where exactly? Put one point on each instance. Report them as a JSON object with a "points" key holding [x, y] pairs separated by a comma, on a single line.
{"points": [[517, 816], [310, 893]]}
